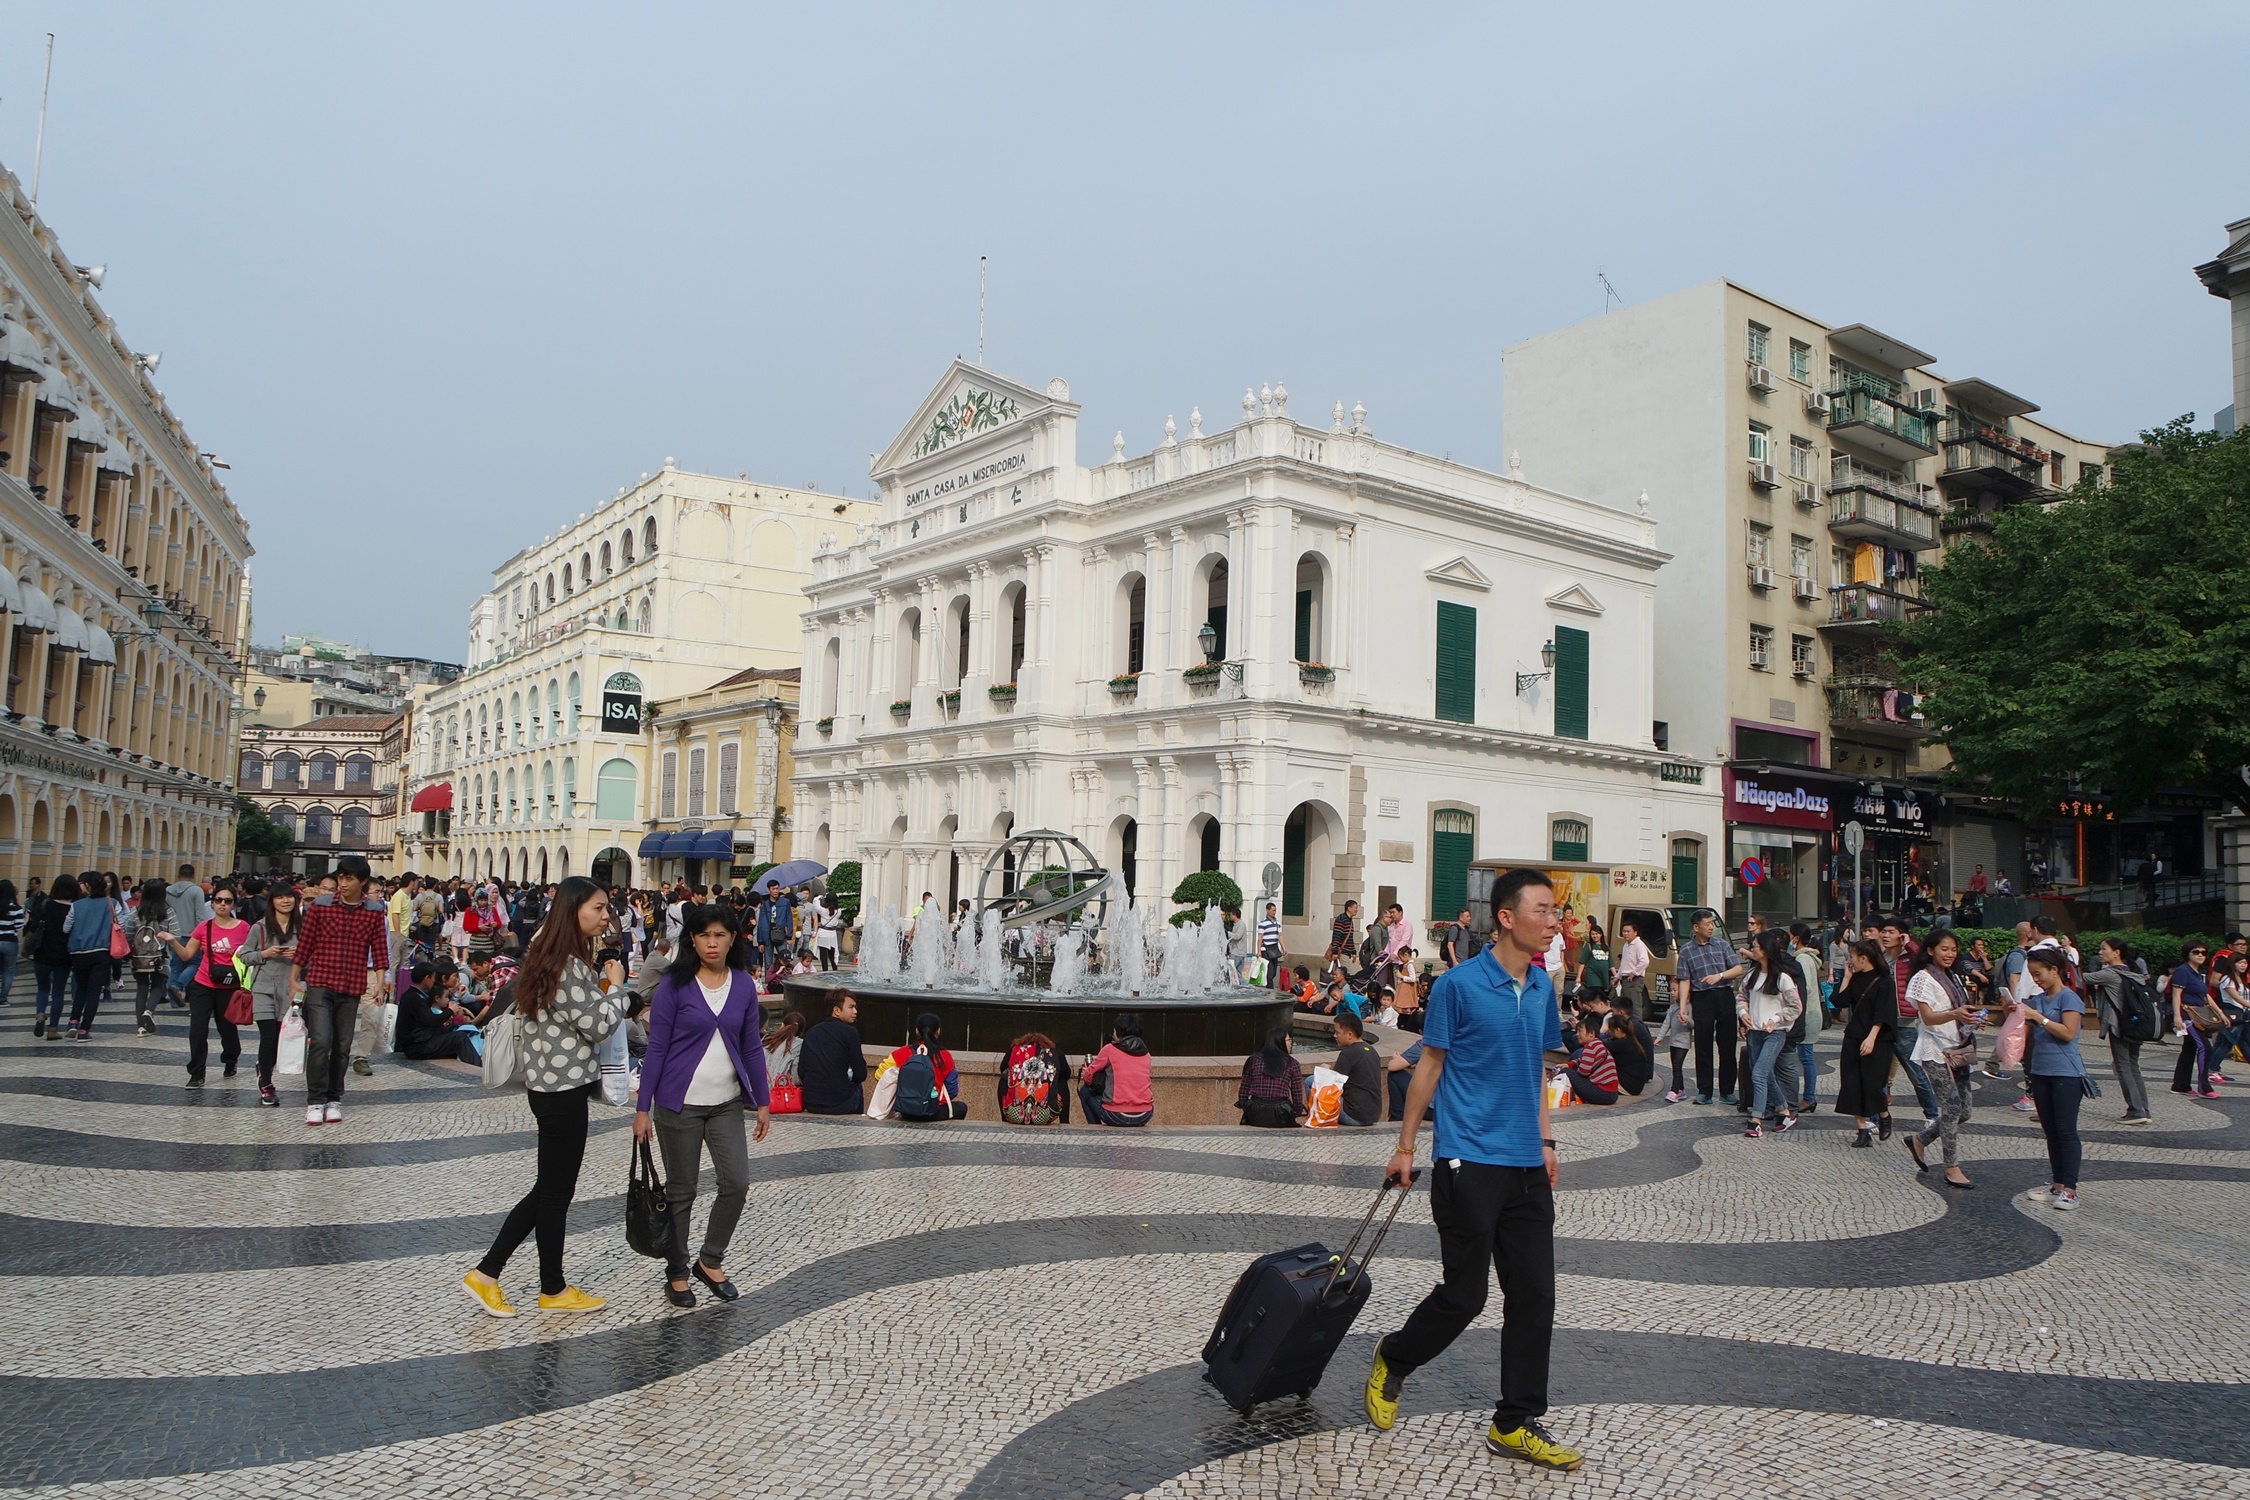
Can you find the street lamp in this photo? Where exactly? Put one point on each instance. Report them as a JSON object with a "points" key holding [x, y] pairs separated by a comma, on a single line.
{"points": [[1547, 660], [1208, 639]]}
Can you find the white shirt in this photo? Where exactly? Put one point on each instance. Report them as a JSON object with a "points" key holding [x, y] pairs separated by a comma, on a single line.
{"points": [[1930, 1042], [714, 1081], [1633, 962]]}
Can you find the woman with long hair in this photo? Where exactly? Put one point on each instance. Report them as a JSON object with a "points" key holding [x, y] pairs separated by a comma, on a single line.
{"points": [[568, 1010], [50, 964], [1942, 1005], [1771, 999], [152, 924], [93, 916], [703, 1060], [1272, 1091], [784, 1045], [2056, 1070], [1870, 999], [924, 1037], [1635, 1068], [271, 952]]}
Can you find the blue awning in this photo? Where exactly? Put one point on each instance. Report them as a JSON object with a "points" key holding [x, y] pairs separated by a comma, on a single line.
{"points": [[710, 844], [652, 845]]}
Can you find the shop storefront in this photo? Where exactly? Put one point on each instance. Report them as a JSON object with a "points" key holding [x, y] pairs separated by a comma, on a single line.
{"points": [[1900, 854], [1779, 821]]}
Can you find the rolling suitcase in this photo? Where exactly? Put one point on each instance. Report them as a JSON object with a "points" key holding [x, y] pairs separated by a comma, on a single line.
{"points": [[1288, 1312]]}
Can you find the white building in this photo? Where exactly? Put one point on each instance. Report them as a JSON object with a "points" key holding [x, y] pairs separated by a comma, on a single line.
{"points": [[540, 754], [1021, 642]]}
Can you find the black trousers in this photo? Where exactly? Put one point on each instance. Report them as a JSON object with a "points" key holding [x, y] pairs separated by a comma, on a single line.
{"points": [[1502, 1218], [205, 1006], [545, 1210], [1714, 1022]]}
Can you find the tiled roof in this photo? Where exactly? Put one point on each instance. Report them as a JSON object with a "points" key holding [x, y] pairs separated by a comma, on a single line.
{"points": [[758, 674]]}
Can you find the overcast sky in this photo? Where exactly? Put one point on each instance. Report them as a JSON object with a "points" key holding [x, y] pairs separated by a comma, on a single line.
{"points": [[435, 279]]}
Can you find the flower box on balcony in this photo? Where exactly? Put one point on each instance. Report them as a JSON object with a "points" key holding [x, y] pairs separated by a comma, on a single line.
{"points": [[1127, 685], [952, 701], [1001, 692], [1313, 671], [1208, 672], [825, 725], [901, 709]]}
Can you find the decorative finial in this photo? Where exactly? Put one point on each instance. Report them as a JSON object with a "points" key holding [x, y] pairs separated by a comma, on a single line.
{"points": [[1249, 403], [667, 460], [1336, 418], [1058, 389], [1265, 398], [1642, 505], [1359, 417], [1195, 422], [1515, 465], [1117, 449], [1280, 399], [1171, 430]]}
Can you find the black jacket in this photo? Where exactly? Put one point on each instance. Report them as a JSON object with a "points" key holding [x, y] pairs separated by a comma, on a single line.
{"points": [[831, 1069]]}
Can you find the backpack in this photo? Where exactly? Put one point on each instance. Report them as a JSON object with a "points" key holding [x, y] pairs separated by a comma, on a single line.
{"points": [[1032, 1095], [2138, 1019], [919, 1097], [149, 953]]}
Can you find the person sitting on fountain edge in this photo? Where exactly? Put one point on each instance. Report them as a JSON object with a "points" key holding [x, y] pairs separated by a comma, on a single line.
{"points": [[833, 1064], [1115, 1087]]}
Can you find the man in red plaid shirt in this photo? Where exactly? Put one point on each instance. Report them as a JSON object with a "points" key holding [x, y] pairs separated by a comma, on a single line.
{"points": [[343, 953]]}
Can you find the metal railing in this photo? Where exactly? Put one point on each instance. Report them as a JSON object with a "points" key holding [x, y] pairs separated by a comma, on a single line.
{"points": [[1857, 404]]}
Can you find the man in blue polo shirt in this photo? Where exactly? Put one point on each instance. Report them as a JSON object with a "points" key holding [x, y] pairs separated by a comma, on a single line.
{"points": [[1491, 1024]]}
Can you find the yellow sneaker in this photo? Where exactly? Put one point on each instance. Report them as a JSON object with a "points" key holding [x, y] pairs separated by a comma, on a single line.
{"points": [[1534, 1445], [1382, 1392], [571, 1299], [488, 1295]]}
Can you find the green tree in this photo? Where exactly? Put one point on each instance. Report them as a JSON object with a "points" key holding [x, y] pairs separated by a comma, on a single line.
{"points": [[255, 833], [2101, 645], [1205, 888], [843, 884]]}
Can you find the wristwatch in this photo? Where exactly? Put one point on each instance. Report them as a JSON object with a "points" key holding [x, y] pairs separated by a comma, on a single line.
{"points": [[1550, 1145]]}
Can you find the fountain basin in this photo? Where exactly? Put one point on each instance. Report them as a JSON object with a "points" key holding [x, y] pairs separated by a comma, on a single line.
{"points": [[1225, 1023]]}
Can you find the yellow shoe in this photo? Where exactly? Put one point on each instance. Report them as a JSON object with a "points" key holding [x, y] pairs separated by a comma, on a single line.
{"points": [[488, 1295], [1382, 1392], [571, 1299], [1532, 1443]]}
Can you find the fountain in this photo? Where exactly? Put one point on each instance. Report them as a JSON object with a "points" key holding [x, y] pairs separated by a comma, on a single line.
{"points": [[1052, 944]]}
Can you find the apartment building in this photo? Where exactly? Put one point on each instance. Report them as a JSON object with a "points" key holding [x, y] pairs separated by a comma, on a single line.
{"points": [[124, 592], [1803, 475]]}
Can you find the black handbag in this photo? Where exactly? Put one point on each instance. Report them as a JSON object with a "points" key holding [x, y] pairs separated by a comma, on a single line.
{"points": [[648, 1216]]}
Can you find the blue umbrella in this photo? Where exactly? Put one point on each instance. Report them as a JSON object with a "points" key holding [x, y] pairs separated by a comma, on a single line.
{"points": [[792, 872]]}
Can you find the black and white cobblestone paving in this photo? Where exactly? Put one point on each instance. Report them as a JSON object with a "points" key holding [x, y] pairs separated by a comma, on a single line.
{"points": [[205, 1297]]}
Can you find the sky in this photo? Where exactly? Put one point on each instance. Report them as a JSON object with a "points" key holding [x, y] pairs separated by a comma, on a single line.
{"points": [[435, 279]]}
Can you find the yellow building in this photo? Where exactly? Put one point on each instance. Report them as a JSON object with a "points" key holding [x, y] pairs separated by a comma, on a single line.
{"points": [[723, 765]]}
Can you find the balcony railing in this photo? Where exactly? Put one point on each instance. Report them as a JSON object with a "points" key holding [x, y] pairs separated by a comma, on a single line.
{"points": [[1980, 456], [1854, 604], [1859, 414], [1881, 516], [1868, 703]]}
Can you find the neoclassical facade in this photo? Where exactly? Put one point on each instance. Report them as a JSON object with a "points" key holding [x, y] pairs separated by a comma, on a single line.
{"points": [[332, 781], [123, 591], [541, 752], [1275, 645]]}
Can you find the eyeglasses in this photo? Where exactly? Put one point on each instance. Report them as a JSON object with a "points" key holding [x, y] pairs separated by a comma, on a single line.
{"points": [[222, 900]]}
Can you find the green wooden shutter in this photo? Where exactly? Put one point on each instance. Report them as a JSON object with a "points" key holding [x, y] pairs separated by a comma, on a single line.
{"points": [[1687, 875], [1304, 625], [1571, 687], [1293, 865], [1453, 838], [1568, 838], [1456, 663]]}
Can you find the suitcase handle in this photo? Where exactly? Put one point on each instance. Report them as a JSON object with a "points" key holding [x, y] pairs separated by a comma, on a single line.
{"points": [[1343, 1257]]}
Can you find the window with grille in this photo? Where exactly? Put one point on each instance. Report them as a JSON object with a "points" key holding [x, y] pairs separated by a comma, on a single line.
{"points": [[1569, 838], [1801, 655], [1803, 458], [1800, 361], [1761, 648], [1756, 348], [730, 764], [355, 827], [695, 782], [1800, 557], [668, 786], [1761, 545]]}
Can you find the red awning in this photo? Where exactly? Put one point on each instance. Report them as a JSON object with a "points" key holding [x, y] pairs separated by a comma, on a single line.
{"points": [[436, 797]]}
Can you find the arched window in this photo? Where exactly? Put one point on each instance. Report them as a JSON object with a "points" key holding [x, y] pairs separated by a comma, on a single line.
{"points": [[568, 588], [320, 771], [1453, 843], [547, 791], [585, 569], [554, 709], [484, 732], [253, 772], [511, 794], [647, 610], [831, 673], [648, 538], [606, 568], [1310, 640], [575, 696], [538, 719], [515, 718], [352, 828], [476, 805], [569, 788], [907, 649], [1130, 652], [359, 773], [319, 825], [285, 770], [1012, 605], [285, 818], [1569, 837], [1215, 608], [615, 787], [625, 548], [550, 588]]}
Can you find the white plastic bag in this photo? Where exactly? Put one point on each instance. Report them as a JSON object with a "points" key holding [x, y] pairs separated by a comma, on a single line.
{"points": [[289, 1057], [886, 1095], [1324, 1100], [389, 1024]]}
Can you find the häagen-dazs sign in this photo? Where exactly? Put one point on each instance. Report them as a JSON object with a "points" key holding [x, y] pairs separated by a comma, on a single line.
{"points": [[1779, 800]]}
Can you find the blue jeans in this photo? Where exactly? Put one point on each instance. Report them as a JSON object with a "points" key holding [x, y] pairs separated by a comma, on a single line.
{"points": [[8, 954], [176, 983], [1765, 1051], [54, 984], [1812, 1073], [1902, 1046]]}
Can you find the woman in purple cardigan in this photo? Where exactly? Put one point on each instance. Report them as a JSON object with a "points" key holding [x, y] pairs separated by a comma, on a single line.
{"points": [[705, 1056]]}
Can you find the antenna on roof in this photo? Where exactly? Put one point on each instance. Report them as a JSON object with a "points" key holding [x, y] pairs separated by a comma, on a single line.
{"points": [[39, 150], [1609, 293], [982, 262]]}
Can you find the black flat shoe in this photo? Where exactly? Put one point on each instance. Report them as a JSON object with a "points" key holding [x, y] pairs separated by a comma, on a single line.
{"points": [[678, 1296], [1914, 1149], [1886, 1124], [720, 1286], [1957, 1186]]}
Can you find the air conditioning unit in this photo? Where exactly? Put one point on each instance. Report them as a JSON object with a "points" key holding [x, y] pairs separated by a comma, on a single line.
{"points": [[1805, 493], [1923, 400], [1761, 576], [1803, 671], [1807, 592], [1761, 379], [1765, 476], [1817, 403]]}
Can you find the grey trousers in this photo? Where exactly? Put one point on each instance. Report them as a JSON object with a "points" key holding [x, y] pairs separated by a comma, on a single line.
{"points": [[1954, 1102], [2126, 1057], [682, 1137]]}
